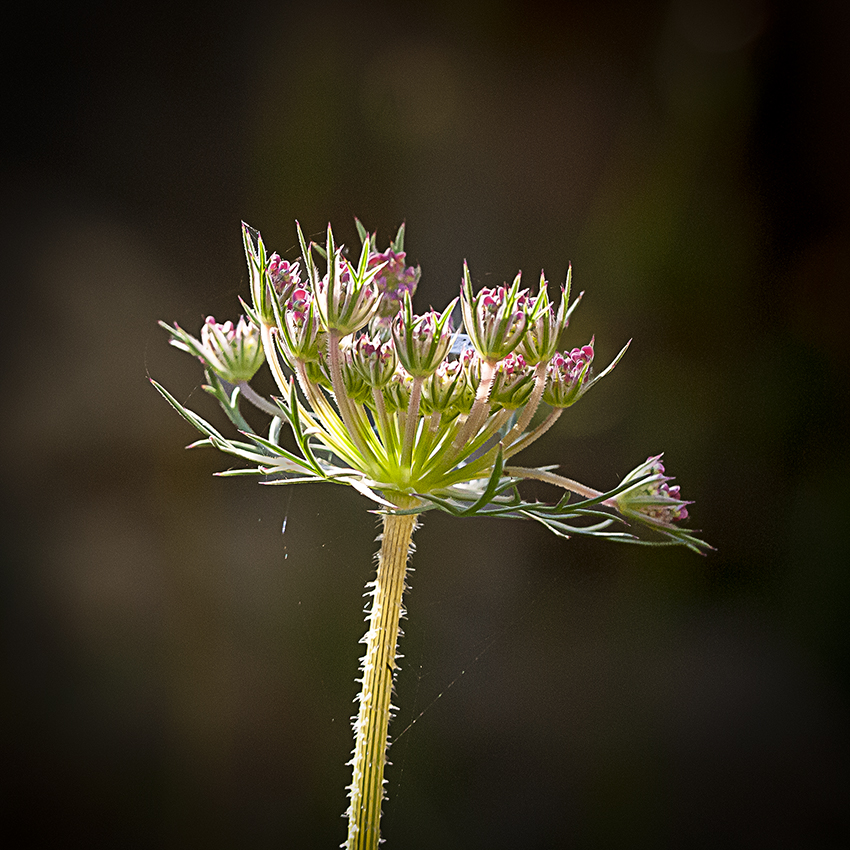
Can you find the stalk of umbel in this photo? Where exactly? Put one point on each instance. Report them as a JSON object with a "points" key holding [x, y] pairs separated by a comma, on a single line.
{"points": [[371, 724], [416, 417]]}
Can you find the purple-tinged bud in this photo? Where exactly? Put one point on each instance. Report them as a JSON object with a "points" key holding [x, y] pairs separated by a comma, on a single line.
{"points": [[422, 342], [284, 277], [545, 324], [354, 385], [380, 327], [374, 361], [393, 281], [471, 363], [397, 392], [302, 334], [318, 371], [495, 319], [513, 382], [651, 500], [566, 376], [233, 352], [447, 389]]}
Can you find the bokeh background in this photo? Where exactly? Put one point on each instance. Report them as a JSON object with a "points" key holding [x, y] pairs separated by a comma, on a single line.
{"points": [[179, 673]]}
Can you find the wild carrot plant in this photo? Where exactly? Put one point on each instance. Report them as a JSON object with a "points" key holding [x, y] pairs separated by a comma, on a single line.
{"points": [[414, 414]]}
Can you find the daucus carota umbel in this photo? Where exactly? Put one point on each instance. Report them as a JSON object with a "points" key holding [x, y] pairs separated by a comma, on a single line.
{"points": [[416, 415]]}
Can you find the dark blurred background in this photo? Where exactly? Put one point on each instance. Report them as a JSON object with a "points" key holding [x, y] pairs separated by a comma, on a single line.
{"points": [[178, 673]]}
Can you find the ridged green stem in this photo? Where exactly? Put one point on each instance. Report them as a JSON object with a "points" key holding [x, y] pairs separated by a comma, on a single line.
{"points": [[371, 726]]}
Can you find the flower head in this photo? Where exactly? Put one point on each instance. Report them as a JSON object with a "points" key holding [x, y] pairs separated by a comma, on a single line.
{"points": [[411, 417], [651, 500], [303, 336], [346, 295], [448, 389], [394, 280], [566, 376], [375, 361], [422, 342], [233, 352], [512, 383], [545, 324], [412, 410], [235, 347], [284, 277], [354, 382], [495, 319], [396, 391]]}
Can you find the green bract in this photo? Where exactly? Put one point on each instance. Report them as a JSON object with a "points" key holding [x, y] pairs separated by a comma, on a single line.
{"points": [[422, 342], [262, 291], [545, 325], [346, 296]]}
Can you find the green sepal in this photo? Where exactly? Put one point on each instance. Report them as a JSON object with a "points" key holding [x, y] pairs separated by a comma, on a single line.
{"points": [[397, 244], [606, 370], [307, 254], [251, 313], [262, 291], [577, 300], [365, 237]]}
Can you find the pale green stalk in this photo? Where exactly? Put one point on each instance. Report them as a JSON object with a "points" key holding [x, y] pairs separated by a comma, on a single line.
{"points": [[412, 421], [343, 402], [385, 431]]}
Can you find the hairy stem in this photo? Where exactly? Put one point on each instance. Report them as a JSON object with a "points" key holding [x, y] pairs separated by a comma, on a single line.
{"points": [[480, 407], [379, 666], [250, 395], [531, 405], [538, 432], [557, 480]]}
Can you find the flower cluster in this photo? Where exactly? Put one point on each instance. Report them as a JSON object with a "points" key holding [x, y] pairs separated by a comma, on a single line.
{"points": [[233, 352], [397, 403], [567, 375], [394, 280], [649, 498], [284, 277]]}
